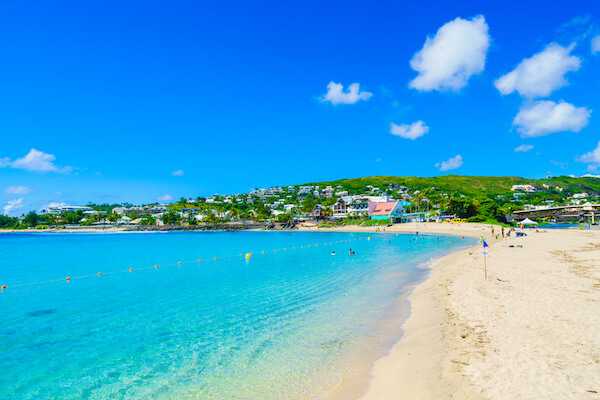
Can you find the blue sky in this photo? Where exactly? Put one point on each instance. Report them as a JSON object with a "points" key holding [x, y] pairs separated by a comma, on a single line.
{"points": [[114, 97]]}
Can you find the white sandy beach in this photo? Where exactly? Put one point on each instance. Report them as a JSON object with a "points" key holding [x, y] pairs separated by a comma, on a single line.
{"points": [[530, 331]]}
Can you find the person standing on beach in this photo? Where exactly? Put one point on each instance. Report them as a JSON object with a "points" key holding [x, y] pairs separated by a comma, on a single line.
{"points": [[502, 232]]}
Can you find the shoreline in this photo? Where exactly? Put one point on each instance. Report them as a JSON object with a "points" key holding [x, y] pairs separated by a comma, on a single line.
{"points": [[367, 385], [528, 331], [510, 336]]}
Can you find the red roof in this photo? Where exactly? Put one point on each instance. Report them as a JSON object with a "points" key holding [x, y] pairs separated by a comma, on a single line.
{"points": [[384, 208]]}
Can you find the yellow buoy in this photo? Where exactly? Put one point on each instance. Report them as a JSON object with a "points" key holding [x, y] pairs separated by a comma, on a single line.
{"points": [[247, 256]]}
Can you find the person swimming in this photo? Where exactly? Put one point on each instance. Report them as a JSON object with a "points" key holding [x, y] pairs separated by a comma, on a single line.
{"points": [[333, 253]]}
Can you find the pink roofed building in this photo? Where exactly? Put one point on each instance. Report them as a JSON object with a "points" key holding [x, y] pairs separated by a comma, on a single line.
{"points": [[390, 210]]}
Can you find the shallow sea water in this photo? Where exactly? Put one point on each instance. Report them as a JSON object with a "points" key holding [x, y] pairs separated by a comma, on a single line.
{"points": [[286, 324]]}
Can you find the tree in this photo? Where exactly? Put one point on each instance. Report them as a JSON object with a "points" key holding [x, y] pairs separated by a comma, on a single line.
{"points": [[148, 220], [31, 219], [8, 222], [170, 217], [464, 207], [489, 209]]}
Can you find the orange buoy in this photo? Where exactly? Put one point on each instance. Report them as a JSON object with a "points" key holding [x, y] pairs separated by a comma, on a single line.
{"points": [[263, 252], [215, 258], [156, 266], [99, 273], [68, 278], [240, 254], [3, 287], [275, 250], [308, 245], [179, 263], [130, 269], [251, 253], [301, 247], [284, 248], [293, 248], [199, 260]]}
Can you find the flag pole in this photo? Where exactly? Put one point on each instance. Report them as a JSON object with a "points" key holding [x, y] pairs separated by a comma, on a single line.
{"points": [[485, 253], [485, 266]]}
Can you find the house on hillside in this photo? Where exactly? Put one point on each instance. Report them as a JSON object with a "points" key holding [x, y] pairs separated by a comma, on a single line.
{"points": [[317, 211]]}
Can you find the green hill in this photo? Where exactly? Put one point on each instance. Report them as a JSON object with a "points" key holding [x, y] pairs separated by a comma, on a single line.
{"points": [[489, 186]]}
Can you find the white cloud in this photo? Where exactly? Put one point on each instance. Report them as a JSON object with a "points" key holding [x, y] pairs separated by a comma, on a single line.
{"points": [[179, 172], [541, 74], [452, 56], [412, 131], [13, 205], [37, 161], [560, 164], [592, 158], [165, 197], [17, 190], [541, 118], [596, 45], [336, 94], [451, 163], [523, 148]]}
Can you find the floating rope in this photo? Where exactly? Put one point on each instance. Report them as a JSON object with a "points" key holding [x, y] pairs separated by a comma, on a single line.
{"points": [[248, 256]]}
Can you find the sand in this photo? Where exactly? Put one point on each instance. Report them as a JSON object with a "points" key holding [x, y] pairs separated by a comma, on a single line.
{"points": [[530, 331]]}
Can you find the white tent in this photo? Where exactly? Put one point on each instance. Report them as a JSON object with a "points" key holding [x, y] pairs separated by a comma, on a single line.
{"points": [[527, 221]]}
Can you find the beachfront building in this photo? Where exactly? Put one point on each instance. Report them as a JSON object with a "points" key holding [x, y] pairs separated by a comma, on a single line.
{"points": [[348, 206], [64, 209], [390, 210], [129, 210]]}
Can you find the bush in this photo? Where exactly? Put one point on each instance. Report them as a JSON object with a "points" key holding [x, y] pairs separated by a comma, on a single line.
{"points": [[41, 227], [477, 218], [376, 222]]}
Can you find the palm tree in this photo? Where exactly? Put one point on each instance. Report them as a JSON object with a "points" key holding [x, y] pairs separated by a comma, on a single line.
{"points": [[234, 213]]}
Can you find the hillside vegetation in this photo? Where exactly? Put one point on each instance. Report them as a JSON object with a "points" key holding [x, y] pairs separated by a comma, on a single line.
{"points": [[489, 186]]}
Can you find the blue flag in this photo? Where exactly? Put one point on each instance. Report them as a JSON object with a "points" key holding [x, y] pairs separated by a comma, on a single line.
{"points": [[485, 244]]}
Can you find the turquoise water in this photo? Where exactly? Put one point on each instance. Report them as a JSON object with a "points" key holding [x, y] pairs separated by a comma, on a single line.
{"points": [[285, 324]]}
